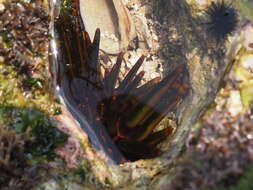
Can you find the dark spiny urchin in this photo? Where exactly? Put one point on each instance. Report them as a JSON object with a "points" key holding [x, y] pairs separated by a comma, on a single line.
{"points": [[222, 20]]}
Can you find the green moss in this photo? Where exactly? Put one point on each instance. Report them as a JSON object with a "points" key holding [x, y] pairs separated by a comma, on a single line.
{"points": [[108, 182], [36, 82], [245, 183], [36, 53], [81, 173], [7, 39], [45, 136]]}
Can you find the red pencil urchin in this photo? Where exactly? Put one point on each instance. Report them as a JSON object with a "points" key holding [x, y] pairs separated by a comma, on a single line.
{"points": [[222, 20], [121, 114]]}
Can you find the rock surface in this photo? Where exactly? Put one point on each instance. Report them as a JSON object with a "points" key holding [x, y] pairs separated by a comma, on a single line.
{"points": [[181, 39]]}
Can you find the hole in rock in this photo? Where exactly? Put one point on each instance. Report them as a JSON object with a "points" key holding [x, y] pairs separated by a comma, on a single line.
{"points": [[119, 114]]}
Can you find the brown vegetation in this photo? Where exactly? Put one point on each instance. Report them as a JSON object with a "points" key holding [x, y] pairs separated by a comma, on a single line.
{"points": [[15, 172]]}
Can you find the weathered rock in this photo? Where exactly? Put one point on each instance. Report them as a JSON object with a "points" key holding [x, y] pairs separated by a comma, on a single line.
{"points": [[206, 64]]}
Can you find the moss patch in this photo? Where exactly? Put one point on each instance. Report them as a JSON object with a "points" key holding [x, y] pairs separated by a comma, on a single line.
{"points": [[45, 136]]}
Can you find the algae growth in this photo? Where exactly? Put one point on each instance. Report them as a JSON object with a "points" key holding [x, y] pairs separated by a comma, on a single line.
{"points": [[26, 101]]}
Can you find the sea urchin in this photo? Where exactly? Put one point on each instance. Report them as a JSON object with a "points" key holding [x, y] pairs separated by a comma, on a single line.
{"points": [[222, 20], [121, 112]]}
